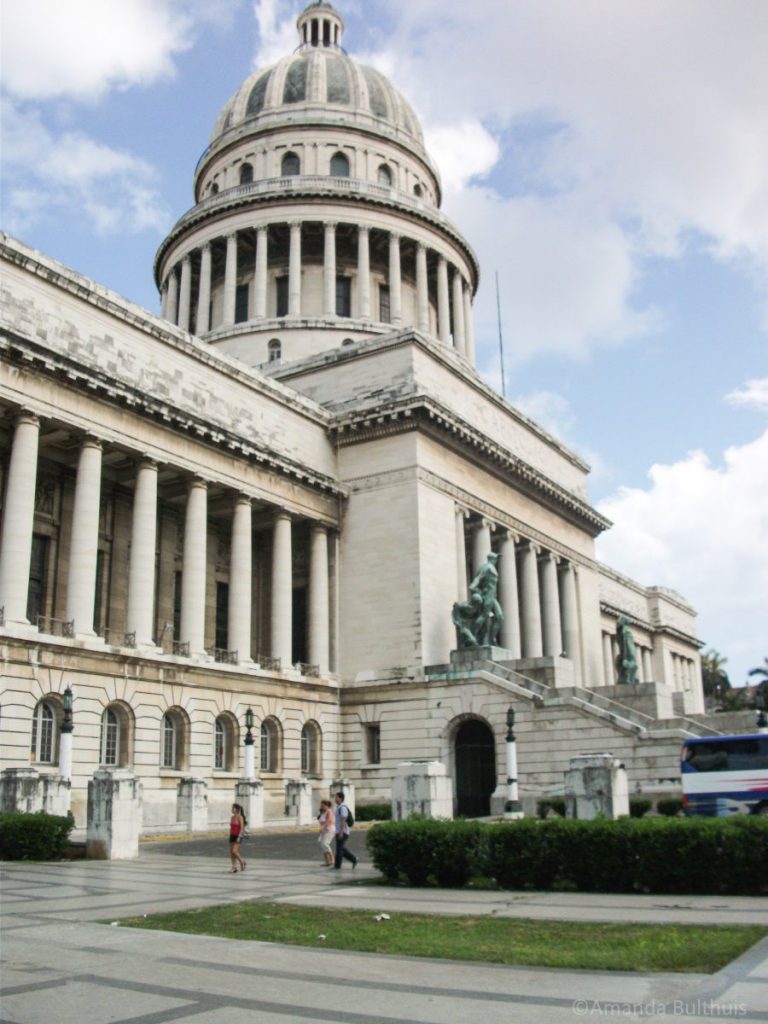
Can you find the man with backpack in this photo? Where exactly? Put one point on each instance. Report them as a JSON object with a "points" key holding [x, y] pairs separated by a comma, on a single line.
{"points": [[343, 821]]}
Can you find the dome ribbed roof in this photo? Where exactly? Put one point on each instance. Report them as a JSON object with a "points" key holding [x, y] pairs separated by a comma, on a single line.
{"points": [[320, 85]]}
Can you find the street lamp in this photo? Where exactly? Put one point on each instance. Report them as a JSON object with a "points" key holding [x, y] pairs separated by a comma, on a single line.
{"points": [[250, 763], [67, 727], [512, 808]]}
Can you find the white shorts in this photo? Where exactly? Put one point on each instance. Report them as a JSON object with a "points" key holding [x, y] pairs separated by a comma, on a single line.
{"points": [[325, 840]]}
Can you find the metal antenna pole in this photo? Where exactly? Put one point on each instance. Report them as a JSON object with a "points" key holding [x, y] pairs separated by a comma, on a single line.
{"points": [[501, 343]]}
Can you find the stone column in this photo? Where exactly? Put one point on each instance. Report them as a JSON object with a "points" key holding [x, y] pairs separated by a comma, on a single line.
{"points": [[241, 579], [335, 559], [329, 269], [282, 591], [185, 292], [569, 613], [81, 585], [193, 574], [395, 280], [469, 326], [443, 311], [461, 554], [172, 296], [164, 300], [481, 543], [18, 519], [363, 274], [458, 314], [260, 275], [141, 570], [230, 281], [203, 319], [608, 670], [647, 665], [550, 607], [510, 626], [294, 270], [530, 610], [319, 618], [422, 289]]}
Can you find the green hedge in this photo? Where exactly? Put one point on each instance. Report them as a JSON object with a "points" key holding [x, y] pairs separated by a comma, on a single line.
{"points": [[669, 806], [639, 806], [556, 804], [653, 855], [34, 836], [373, 812]]}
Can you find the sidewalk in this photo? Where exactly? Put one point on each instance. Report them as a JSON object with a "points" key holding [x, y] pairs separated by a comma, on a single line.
{"points": [[60, 962]]}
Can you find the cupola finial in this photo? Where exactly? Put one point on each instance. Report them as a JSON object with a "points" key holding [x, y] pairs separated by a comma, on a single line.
{"points": [[320, 25]]}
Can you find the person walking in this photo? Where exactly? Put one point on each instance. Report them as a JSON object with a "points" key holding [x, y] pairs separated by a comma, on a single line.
{"points": [[327, 820], [237, 825], [342, 833]]}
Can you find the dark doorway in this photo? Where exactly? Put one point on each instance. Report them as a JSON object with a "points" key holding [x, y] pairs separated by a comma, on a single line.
{"points": [[475, 769], [299, 624]]}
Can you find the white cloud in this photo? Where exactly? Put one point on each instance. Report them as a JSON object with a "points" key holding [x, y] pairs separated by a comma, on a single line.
{"points": [[653, 132], [47, 175], [753, 394], [81, 48], [462, 151], [702, 529], [276, 22]]}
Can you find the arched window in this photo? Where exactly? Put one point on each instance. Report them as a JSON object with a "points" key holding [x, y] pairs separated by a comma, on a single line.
{"points": [[275, 350], [310, 749], [348, 341], [246, 174], [290, 165], [339, 166], [109, 752], [417, 191], [225, 744], [173, 739], [116, 736], [45, 733], [270, 745], [384, 175]]}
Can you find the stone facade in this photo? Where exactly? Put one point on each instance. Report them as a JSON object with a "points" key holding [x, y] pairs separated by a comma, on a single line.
{"points": [[271, 496]]}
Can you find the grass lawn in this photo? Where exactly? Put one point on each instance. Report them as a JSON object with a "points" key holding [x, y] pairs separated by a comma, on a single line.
{"points": [[611, 947]]}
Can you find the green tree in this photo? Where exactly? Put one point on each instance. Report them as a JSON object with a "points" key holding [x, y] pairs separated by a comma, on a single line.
{"points": [[761, 670], [714, 677], [761, 693]]}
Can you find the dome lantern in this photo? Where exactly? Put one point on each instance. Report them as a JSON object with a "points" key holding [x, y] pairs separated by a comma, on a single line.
{"points": [[320, 25]]}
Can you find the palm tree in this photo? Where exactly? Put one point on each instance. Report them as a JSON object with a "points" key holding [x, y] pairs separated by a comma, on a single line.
{"points": [[714, 677], [761, 690], [761, 670]]}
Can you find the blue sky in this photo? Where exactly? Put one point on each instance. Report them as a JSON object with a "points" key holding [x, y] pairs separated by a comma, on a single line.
{"points": [[609, 160]]}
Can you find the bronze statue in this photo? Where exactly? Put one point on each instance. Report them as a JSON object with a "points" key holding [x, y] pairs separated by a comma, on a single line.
{"points": [[478, 619], [626, 662]]}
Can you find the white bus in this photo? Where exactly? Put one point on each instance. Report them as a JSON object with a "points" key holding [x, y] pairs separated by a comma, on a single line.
{"points": [[725, 775]]}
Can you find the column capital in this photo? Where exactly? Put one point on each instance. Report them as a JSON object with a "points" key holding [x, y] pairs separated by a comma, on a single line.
{"points": [[295, 224], [26, 416], [535, 548], [330, 225], [363, 230], [90, 440], [462, 511], [319, 528], [145, 459], [507, 534], [283, 514], [187, 258], [484, 522], [242, 499], [231, 236], [197, 481], [395, 236], [205, 247]]}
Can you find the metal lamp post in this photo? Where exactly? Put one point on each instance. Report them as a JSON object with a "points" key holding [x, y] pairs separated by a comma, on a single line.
{"points": [[512, 808], [67, 728], [250, 760]]}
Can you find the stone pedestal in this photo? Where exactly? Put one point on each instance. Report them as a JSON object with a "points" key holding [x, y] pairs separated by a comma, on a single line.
{"points": [[346, 787], [596, 787], [114, 815], [298, 801], [249, 793], [422, 787], [192, 804], [470, 655], [654, 699], [25, 790]]}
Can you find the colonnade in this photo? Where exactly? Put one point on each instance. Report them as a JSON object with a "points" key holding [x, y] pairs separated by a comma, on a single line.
{"points": [[16, 544], [537, 590], [453, 299]]}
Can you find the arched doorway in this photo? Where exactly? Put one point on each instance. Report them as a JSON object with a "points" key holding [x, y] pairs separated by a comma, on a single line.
{"points": [[475, 762]]}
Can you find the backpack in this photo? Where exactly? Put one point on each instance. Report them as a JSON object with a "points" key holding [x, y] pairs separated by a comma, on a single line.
{"points": [[350, 817]]}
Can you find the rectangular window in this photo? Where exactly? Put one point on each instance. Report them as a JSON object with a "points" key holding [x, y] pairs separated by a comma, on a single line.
{"points": [[219, 750], [222, 615], [177, 606], [384, 311], [99, 602], [241, 304], [343, 296], [281, 284], [373, 744], [37, 578]]}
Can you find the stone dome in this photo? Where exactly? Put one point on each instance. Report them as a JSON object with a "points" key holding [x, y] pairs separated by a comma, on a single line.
{"points": [[319, 84]]}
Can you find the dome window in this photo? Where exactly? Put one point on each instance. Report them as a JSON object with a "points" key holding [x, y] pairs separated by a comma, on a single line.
{"points": [[246, 174], [258, 93], [275, 350], [337, 81], [418, 191], [384, 176], [295, 89], [339, 166], [290, 165], [376, 99]]}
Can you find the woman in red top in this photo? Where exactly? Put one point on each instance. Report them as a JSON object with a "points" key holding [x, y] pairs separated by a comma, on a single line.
{"points": [[237, 825]]}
